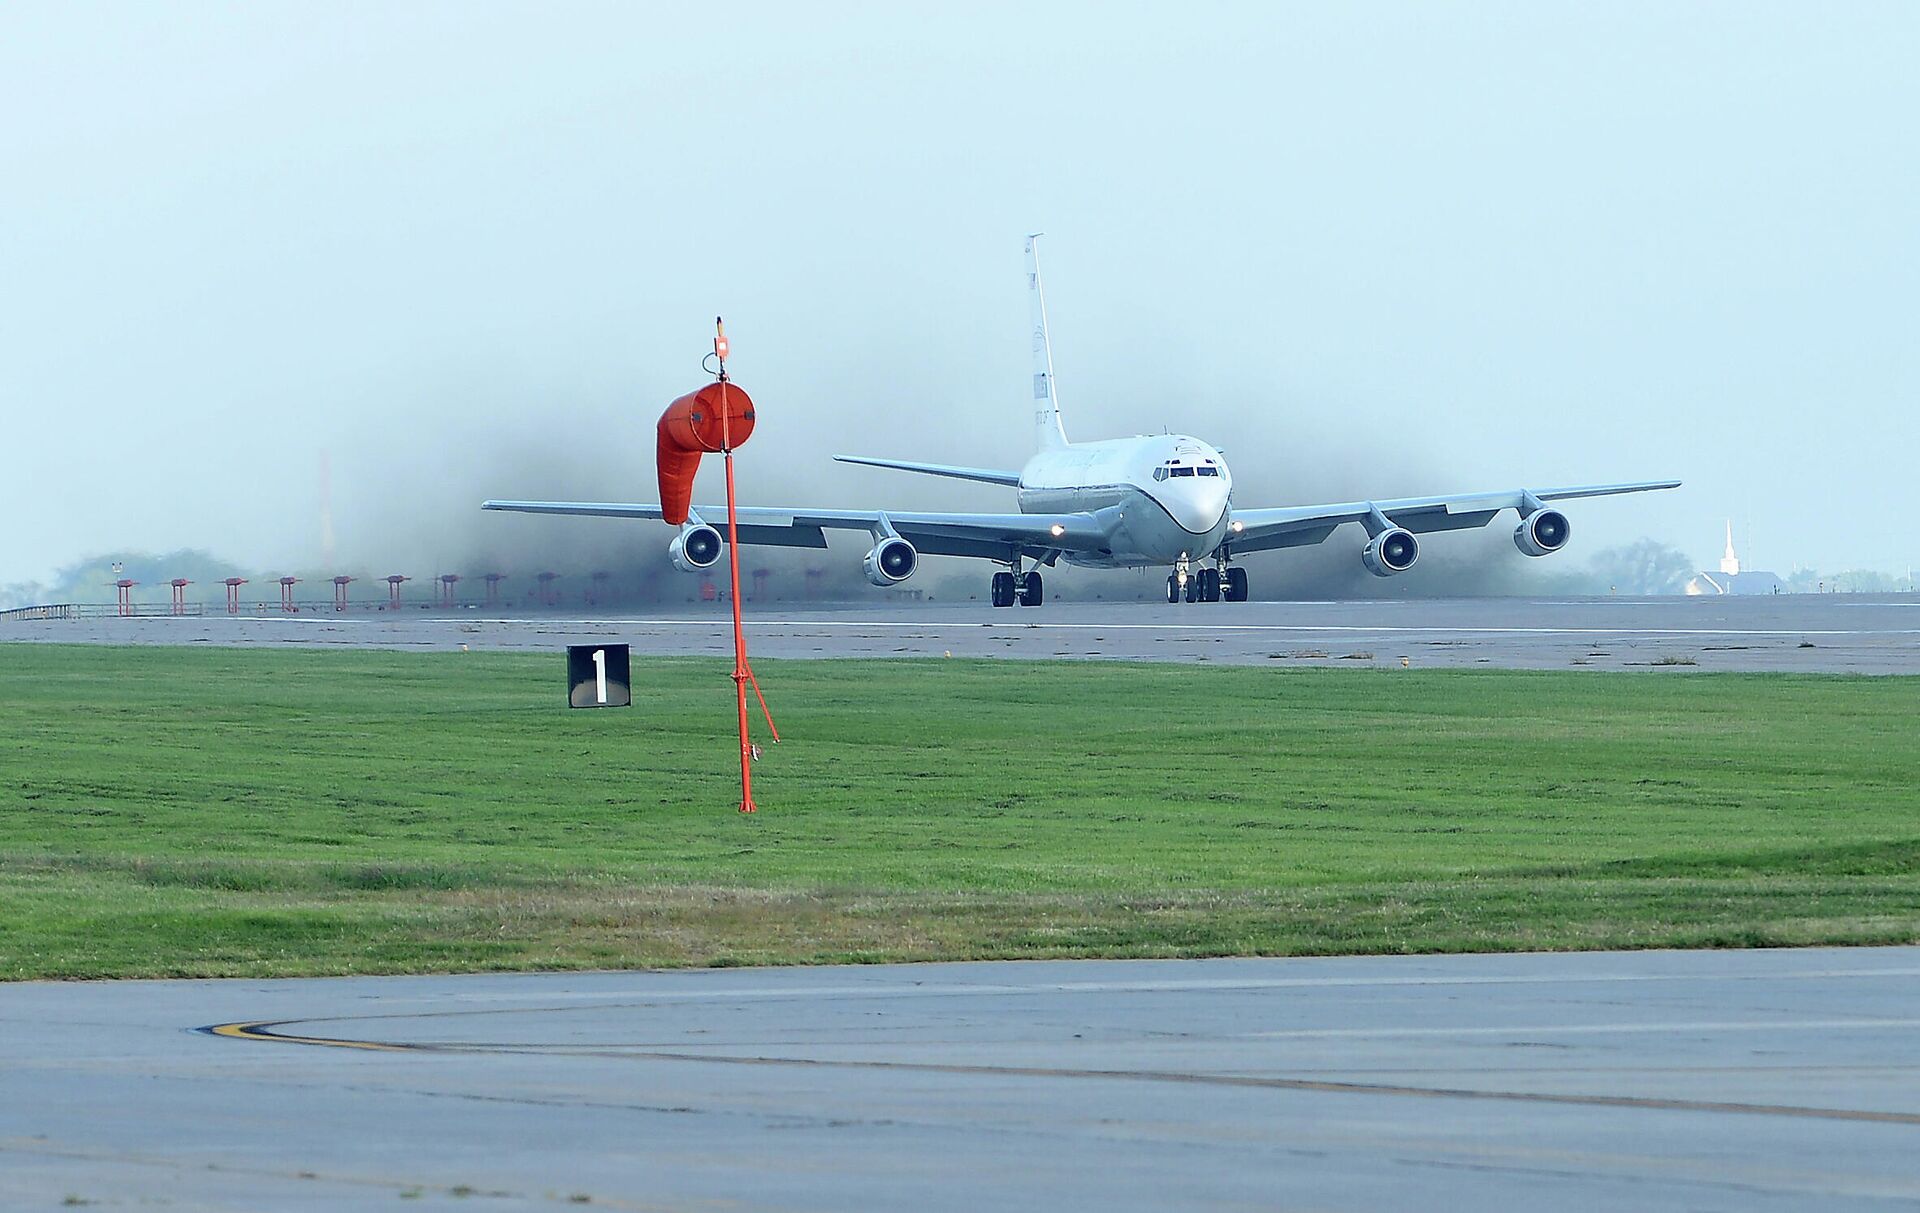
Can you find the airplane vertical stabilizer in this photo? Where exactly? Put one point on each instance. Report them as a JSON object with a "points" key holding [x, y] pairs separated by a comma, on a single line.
{"points": [[1046, 401]]}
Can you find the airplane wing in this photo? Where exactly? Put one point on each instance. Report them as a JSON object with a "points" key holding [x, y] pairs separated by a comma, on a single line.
{"points": [[993, 536], [1299, 526], [988, 475]]}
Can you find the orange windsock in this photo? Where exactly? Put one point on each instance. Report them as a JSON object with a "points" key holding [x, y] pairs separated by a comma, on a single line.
{"points": [[691, 426]]}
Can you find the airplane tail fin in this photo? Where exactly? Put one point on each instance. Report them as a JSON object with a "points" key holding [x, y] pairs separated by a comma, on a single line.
{"points": [[1051, 434]]}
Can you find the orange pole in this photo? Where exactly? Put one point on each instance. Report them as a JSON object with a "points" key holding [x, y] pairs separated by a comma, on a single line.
{"points": [[740, 672], [741, 675], [771, 727]]}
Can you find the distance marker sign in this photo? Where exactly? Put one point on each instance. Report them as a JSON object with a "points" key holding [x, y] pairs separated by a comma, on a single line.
{"points": [[597, 676]]}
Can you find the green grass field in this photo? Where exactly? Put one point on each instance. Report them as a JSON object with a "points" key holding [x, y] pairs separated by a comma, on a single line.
{"points": [[175, 811]]}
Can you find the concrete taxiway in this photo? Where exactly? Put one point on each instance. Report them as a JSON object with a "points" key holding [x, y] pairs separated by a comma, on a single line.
{"points": [[1662, 1080], [1830, 633]]}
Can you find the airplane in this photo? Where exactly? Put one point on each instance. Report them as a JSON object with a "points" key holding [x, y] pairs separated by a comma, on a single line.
{"points": [[1163, 500]]}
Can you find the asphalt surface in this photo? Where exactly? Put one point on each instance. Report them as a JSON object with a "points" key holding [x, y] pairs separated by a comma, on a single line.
{"points": [[1803, 633], [1665, 1080]]}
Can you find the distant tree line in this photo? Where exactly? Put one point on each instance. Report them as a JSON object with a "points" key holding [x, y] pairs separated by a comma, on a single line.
{"points": [[1644, 567], [1849, 581]]}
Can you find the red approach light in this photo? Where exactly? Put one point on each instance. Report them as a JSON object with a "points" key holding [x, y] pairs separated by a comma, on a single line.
{"points": [[692, 426]]}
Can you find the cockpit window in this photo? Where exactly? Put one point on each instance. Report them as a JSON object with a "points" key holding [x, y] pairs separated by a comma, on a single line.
{"points": [[1160, 473], [1209, 471], [1183, 471]]}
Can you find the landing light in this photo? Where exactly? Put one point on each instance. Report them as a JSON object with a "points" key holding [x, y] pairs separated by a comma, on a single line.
{"points": [[1238, 527], [1057, 530]]}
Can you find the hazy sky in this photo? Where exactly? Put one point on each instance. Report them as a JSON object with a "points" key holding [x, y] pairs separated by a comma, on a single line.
{"points": [[1370, 249]]}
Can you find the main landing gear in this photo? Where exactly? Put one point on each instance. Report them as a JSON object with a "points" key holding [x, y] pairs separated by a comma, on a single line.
{"points": [[1201, 586], [1023, 588], [1223, 582]]}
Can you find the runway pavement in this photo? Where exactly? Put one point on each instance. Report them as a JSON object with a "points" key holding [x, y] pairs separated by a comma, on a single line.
{"points": [[1758, 1080], [1804, 633]]}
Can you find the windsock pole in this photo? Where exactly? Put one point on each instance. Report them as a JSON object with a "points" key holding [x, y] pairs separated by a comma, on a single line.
{"points": [[742, 672]]}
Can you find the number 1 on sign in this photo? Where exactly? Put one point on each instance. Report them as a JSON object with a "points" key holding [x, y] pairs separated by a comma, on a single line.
{"points": [[600, 673]]}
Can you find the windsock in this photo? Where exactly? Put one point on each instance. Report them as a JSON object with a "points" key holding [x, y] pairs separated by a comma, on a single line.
{"points": [[689, 428]]}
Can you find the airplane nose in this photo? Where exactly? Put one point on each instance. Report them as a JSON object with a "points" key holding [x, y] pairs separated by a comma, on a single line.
{"points": [[1196, 503]]}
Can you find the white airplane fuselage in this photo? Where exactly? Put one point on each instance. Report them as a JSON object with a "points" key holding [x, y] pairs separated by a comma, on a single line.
{"points": [[1163, 498]]}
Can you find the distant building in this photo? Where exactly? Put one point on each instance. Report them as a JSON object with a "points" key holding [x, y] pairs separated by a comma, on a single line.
{"points": [[1730, 580]]}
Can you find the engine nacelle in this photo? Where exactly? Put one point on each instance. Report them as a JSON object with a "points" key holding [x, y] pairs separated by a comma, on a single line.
{"points": [[891, 562], [1390, 552], [695, 548], [1542, 533]]}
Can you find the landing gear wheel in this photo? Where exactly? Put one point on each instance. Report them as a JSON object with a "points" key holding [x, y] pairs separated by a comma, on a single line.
{"points": [[1003, 589], [1031, 593], [1173, 587], [1209, 585], [1193, 589], [1236, 588]]}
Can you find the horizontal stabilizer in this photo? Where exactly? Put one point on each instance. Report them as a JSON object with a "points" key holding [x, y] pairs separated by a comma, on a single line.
{"points": [[988, 475]]}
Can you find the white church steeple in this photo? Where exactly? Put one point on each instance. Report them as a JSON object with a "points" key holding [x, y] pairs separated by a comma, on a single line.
{"points": [[1730, 563]]}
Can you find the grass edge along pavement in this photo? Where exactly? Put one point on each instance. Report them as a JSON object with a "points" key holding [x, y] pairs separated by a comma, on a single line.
{"points": [[182, 811]]}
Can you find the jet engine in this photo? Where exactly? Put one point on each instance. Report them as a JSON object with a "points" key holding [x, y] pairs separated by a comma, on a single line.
{"points": [[695, 548], [1542, 533], [890, 562], [1390, 552]]}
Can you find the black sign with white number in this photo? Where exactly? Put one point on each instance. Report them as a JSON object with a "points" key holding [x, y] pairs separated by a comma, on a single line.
{"points": [[597, 676]]}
